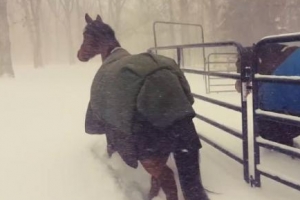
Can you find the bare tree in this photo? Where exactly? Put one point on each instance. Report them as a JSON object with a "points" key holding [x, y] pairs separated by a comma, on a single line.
{"points": [[172, 19], [82, 7], [32, 21], [56, 10], [292, 10], [248, 21], [68, 6], [5, 52], [184, 17], [115, 8]]}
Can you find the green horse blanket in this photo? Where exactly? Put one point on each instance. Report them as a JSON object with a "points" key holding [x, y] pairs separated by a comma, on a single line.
{"points": [[149, 84]]}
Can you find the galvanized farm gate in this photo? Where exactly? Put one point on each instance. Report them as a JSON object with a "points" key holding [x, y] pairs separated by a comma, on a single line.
{"points": [[280, 118], [219, 62], [208, 60], [247, 74]]}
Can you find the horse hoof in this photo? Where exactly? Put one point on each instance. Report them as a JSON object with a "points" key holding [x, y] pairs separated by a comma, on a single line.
{"points": [[110, 151], [155, 187]]}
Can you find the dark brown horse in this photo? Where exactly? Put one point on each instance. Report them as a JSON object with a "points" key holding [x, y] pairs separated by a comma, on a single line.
{"points": [[143, 105], [270, 57]]}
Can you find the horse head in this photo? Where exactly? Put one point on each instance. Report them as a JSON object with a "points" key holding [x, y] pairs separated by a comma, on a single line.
{"points": [[247, 61], [98, 38], [269, 56]]}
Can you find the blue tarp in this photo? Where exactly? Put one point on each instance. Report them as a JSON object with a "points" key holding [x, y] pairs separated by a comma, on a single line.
{"points": [[283, 98]]}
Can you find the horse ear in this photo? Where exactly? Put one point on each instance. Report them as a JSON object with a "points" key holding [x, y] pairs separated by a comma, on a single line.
{"points": [[88, 19], [99, 18]]}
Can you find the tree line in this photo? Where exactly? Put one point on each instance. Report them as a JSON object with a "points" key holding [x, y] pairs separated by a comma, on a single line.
{"points": [[45, 32]]}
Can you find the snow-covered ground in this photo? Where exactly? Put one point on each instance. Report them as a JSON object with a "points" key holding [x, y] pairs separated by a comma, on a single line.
{"points": [[45, 154]]}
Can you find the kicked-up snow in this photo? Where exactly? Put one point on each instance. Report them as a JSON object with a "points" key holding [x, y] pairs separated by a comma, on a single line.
{"points": [[46, 155]]}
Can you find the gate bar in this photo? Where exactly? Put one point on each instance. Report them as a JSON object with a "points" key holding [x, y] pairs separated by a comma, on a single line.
{"points": [[282, 38], [278, 79], [278, 178], [220, 126], [282, 118], [276, 147], [231, 155], [219, 74], [200, 45], [218, 102]]}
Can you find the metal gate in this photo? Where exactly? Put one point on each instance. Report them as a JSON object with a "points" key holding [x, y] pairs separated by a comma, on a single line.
{"points": [[199, 26], [248, 74], [280, 118], [207, 59], [219, 62]]}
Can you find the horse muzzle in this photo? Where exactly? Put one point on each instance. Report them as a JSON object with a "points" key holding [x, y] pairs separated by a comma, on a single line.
{"points": [[82, 57]]}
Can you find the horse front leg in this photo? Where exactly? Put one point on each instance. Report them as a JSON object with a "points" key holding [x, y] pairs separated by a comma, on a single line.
{"points": [[163, 177]]}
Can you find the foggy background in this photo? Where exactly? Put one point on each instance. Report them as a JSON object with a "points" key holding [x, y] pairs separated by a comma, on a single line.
{"points": [[40, 33], [44, 151]]}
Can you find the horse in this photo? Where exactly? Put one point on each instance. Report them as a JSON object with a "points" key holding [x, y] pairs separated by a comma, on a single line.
{"points": [[270, 56], [275, 59], [143, 105]]}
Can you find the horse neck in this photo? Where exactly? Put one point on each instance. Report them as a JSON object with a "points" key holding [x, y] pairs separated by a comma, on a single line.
{"points": [[108, 50]]}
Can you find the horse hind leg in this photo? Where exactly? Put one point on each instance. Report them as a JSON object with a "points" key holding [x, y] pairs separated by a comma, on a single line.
{"points": [[189, 175], [155, 187], [162, 177]]}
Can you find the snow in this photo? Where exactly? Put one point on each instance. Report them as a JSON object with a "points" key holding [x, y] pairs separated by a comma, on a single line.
{"points": [[297, 142], [281, 35], [276, 77], [45, 153]]}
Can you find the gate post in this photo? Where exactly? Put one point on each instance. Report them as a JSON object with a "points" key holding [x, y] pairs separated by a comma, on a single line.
{"points": [[180, 57], [244, 80], [255, 181]]}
